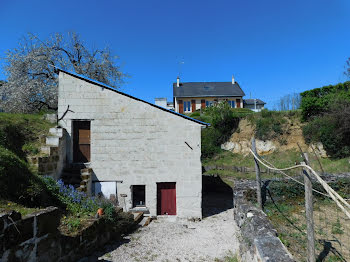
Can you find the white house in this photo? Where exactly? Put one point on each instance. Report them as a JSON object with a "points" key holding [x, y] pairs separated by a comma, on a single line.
{"points": [[148, 156], [162, 101], [255, 105]]}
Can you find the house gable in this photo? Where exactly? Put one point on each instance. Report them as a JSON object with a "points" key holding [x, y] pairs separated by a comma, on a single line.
{"points": [[81, 77]]}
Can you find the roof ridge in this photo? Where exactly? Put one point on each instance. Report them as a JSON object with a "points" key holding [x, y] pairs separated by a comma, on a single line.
{"points": [[82, 77]]}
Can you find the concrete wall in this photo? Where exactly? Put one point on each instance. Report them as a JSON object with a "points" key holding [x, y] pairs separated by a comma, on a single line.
{"points": [[136, 143], [198, 101]]}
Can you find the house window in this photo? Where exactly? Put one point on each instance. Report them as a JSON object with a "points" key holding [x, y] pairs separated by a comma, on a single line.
{"points": [[209, 103], [231, 103], [138, 196], [187, 105]]}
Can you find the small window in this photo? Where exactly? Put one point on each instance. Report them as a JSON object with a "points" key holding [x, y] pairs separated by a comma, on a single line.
{"points": [[138, 196], [209, 103], [187, 105], [232, 104]]}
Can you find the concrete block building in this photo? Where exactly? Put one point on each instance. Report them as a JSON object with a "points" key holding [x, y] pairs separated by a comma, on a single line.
{"points": [[146, 156]]}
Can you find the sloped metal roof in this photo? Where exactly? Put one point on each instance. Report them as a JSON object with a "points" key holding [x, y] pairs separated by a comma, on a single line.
{"points": [[207, 89]]}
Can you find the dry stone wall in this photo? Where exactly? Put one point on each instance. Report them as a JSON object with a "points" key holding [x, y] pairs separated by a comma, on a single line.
{"points": [[259, 240], [35, 238]]}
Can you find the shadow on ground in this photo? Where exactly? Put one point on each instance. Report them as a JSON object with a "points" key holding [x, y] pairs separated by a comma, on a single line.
{"points": [[113, 245], [217, 196]]}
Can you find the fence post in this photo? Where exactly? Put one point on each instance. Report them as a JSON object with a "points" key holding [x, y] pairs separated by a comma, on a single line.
{"points": [[309, 213], [258, 178]]}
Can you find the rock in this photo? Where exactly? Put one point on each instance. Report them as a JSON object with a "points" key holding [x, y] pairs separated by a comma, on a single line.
{"points": [[228, 146], [319, 149], [265, 147], [243, 147]]}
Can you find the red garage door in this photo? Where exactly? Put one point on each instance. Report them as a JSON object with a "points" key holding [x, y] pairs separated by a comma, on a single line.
{"points": [[166, 198]]}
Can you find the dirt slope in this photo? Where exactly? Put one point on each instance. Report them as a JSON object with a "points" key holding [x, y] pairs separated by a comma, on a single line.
{"points": [[240, 141]]}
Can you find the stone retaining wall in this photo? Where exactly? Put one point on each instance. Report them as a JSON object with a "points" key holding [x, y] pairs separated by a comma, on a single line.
{"points": [[259, 241], [35, 238]]}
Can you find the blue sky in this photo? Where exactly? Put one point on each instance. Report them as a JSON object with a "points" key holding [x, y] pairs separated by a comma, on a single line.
{"points": [[272, 47]]}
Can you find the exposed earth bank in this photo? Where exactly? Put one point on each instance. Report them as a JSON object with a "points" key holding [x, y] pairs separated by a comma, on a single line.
{"points": [[240, 141]]}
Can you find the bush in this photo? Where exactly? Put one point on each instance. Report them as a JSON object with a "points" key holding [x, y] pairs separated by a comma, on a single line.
{"points": [[210, 142], [78, 203], [18, 184], [224, 120], [316, 101], [331, 129], [20, 132], [268, 124]]}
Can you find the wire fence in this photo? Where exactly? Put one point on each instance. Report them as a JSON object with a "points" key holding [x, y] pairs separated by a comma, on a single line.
{"points": [[310, 213]]}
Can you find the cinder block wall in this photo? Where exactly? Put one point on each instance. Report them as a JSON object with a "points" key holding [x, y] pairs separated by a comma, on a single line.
{"points": [[134, 142]]}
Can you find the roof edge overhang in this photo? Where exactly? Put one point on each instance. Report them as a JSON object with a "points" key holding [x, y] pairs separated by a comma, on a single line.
{"points": [[214, 96], [95, 82]]}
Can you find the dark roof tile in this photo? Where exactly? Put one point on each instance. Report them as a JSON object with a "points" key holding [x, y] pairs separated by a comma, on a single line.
{"points": [[202, 89]]}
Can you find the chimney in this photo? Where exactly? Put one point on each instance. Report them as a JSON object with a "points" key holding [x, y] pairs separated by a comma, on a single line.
{"points": [[178, 82], [233, 80]]}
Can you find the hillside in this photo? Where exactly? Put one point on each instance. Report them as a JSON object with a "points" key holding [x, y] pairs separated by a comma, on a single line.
{"points": [[288, 136], [277, 134]]}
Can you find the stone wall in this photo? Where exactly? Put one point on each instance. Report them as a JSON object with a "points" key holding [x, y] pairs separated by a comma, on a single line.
{"points": [[136, 143], [52, 158], [35, 238], [259, 240]]}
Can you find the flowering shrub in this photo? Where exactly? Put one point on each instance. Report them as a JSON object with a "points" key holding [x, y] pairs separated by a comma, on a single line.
{"points": [[78, 202]]}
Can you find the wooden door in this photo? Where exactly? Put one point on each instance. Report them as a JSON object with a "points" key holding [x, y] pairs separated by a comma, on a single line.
{"points": [[81, 141], [193, 102], [166, 198], [181, 107], [203, 103], [238, 102]]}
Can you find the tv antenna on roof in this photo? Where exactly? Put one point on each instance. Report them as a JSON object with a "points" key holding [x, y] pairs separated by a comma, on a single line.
{"points": [[180, 63]]}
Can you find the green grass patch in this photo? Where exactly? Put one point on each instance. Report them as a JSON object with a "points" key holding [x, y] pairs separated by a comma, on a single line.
{"points": [[20, 132], [9, 205]]}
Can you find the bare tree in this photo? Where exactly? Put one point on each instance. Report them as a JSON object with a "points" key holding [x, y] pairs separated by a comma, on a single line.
{"points": [[30, 69], [289, 102], [347, 68]]}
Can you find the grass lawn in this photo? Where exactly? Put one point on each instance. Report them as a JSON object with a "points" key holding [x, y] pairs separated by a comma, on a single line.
{"points": [[278, 159], [331, 229]]}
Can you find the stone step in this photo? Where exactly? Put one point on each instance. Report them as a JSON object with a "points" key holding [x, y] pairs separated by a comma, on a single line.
{"points": [[84, 182], [50, 150], [52, 141], [86, 170], [54, 131], [85, 176], [145, 221], [138, 216]]}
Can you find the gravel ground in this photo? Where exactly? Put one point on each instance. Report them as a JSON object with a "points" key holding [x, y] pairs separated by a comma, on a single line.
{"points": [[214, 237]]}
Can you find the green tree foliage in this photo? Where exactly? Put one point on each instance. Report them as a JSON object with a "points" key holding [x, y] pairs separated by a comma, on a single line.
{"points": [[224, 120], [317, 101], [327, 110], [332, 128]]}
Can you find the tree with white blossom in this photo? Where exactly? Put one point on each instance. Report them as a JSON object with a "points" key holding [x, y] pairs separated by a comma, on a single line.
{"points": [[30, 69]]}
